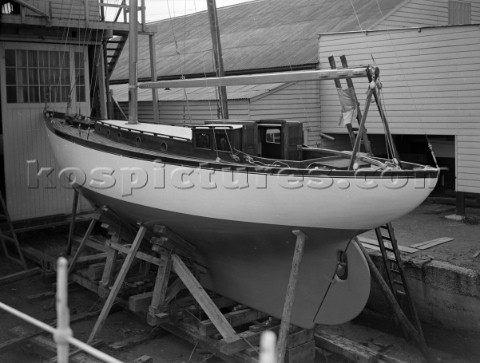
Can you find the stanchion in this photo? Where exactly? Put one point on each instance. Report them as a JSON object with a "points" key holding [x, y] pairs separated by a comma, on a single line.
{"points": [[63, 331]]}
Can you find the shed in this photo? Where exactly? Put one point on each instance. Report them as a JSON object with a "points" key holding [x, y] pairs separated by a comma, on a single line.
{"points": [[431, 78], [49, 55]]}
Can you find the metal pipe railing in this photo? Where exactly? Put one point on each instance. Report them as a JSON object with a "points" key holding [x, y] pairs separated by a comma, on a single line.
{"points": [[62, 334]]}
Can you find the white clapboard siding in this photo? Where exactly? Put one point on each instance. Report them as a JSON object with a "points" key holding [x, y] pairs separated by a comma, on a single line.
{"points": [[431, 85], [179, 112], [297, 101], [67, 9], [424, 13]]}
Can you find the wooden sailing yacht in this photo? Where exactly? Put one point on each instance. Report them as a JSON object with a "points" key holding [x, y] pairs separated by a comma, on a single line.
{"points": [[236, 189]]}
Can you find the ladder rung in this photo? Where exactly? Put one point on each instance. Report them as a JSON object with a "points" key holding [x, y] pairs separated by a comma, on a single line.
{"points": [[398, 282]]}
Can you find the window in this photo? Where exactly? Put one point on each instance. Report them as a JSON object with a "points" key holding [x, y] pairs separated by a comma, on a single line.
{"points": [[273, 136], [459, 12], [39, 76], [222, 141], [202, 140]]}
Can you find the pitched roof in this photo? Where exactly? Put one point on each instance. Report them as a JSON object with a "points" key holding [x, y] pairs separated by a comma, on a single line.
{"points": [[256, 35]]}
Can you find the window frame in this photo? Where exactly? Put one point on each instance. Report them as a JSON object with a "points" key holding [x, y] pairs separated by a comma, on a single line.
{"points": [[72, 50]]}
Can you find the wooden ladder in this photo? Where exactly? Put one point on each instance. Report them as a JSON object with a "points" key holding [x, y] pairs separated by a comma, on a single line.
{"points": [[9, 235], [395, 273]]}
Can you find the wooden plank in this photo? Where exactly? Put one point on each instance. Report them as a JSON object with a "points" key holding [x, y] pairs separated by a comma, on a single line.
{"points": [[134, 340], [373, 243], [118, 282], [40, 296], [349, 349], [140, 255], [235, 318], [431, 243], [141, 302], [200, 295], [19, 275], [82, 281]]}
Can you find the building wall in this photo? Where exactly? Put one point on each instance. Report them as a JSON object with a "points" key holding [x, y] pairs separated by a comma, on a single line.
{"points": [[61, 9], [426, 13], [298, 101], [26, 148], [431, 85]]}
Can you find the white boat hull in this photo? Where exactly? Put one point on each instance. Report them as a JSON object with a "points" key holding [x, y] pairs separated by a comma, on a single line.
{"points": [[242, 222]]}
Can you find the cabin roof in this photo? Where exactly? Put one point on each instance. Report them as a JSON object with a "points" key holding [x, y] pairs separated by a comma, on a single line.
{"points": [[247, 92], [259, 35]]}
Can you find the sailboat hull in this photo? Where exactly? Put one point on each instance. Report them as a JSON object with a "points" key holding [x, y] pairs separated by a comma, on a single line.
{"points": [[241, 222], [250, 263]]}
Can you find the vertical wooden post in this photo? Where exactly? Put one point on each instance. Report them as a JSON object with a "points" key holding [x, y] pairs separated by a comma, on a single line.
{"points": [[72, 222], [217, 55], [160, 288], [101, 78], [118, 283], [153, 71], [132, 69], [460, 203], [63, 331], [290, 295]]}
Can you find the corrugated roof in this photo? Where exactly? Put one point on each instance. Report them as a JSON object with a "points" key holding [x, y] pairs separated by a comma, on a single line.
{"points": [[255, 35], [120, 93]]}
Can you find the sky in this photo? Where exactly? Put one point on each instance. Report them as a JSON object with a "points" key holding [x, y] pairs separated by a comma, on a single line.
{"points": [[164, 9]]}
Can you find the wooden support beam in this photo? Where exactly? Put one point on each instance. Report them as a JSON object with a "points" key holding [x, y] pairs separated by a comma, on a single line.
{"points": [[338, 84], [235, 318], [200, 295], [93, 222], [118, 282], [160, 288], [366, 141], [350, 349], [290, 295], [361, 128], [140, 255], [72, 222], [19, 275]]}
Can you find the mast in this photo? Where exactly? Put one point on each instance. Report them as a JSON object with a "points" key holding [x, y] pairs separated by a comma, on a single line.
{"points": [[217, 54], [133, 58]]}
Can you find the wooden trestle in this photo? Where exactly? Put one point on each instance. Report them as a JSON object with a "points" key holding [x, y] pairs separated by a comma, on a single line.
{"points": [[159, 284]]}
